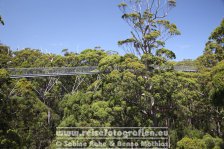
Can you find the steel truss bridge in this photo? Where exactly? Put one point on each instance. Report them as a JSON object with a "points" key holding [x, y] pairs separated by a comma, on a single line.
{"points": [[65, 71]]}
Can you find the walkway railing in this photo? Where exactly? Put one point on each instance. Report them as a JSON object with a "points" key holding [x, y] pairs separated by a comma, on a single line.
{"points": [[51, 71], [65, 71]]}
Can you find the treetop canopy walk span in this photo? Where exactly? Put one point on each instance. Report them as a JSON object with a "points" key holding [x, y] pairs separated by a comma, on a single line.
{"points": [[65, 71], [186, 68], [182, 68], [51, 71]]}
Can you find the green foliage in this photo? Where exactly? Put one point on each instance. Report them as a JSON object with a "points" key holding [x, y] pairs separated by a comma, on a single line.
{"points": [[188, 143], [128, 92], [26, 57], [3, 74], [127, 95], [186, 62], [5, 56], [214, 50], [217, 92], [122, 4], [205, 142], [193, 133], [149, 29], [211, 142], [109, 63], [88, 114], [91, 57], [10, 139], [168, 54]]}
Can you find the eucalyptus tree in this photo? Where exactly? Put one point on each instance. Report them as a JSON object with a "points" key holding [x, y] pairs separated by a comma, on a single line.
{"points": [[207, 141], [5, 56], [217, 96], [214, 49], [150, 30]]}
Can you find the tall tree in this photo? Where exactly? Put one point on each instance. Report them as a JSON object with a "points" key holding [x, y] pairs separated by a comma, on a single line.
{"points": [[5, 56], [217, 95], [214, 50], [150, 30]]}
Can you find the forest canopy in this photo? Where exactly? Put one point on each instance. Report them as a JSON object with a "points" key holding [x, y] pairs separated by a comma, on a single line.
{"points": [[127, 92]]}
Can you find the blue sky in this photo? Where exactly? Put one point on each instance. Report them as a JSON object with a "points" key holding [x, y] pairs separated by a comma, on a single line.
{"points": [[52, 25]]}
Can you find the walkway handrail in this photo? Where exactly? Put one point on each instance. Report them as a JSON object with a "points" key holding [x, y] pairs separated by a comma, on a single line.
{"points": [[51, 71], [63, 71]]}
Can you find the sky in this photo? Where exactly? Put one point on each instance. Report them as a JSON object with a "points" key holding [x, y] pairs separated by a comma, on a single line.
{"points": [[53, 25]]}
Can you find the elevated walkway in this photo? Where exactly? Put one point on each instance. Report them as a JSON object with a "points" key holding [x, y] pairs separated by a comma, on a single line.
{"points": [[65, 71], [51, 71]]}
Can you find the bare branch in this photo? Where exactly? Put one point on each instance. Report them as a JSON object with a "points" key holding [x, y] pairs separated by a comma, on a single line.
{"points": [[152, 5]]}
